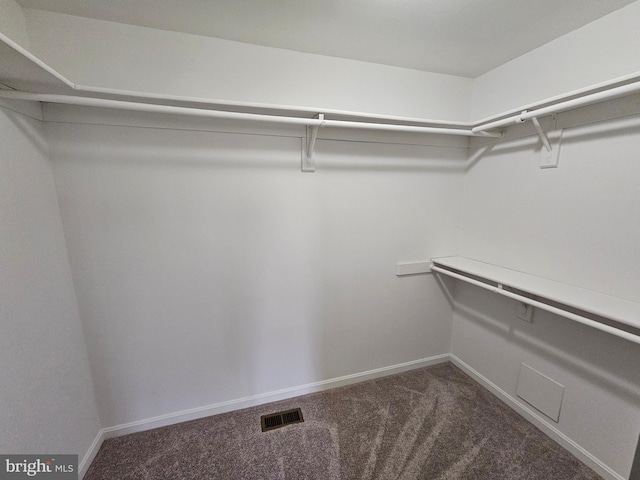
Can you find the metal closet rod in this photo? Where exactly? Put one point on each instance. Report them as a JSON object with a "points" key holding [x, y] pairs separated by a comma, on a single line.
{"points": [[479, 130], [201, 112], [562, 106]]}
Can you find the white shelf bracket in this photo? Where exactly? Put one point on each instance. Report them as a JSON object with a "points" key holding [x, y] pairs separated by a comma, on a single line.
{"points": [[308, 161], [543, 136], [551, 151], [550, 154]]}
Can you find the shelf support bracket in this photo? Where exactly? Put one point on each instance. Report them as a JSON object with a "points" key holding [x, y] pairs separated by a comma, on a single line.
{"points": [[551, 153], [541, 134], [308, 161]]}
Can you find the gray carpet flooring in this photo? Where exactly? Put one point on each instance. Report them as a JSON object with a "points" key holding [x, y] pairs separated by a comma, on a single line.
{"points": [[432, 423]]}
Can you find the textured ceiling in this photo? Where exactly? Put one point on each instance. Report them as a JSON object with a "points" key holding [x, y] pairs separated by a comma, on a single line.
{"points": [[459, 37]]}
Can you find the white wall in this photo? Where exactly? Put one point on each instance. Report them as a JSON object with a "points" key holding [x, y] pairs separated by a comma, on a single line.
{"points": [[209, 268], [13, 23], [599, 51], [576, 224], [47, 402], [124, 57]]}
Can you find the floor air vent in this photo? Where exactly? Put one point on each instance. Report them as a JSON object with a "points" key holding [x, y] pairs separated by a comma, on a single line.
{"points": [[280, 419]]}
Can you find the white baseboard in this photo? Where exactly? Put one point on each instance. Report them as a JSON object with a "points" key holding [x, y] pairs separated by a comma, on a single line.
{"points": [[236, 404], [91, 454], [532, 416]]}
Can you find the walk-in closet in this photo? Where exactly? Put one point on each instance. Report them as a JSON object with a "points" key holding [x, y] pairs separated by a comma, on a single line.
{"points": [[407, 223]]}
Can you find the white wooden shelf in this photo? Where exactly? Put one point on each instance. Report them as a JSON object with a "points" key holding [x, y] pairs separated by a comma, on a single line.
{"points": [[20, 70], [613, 315], [23, 72]]}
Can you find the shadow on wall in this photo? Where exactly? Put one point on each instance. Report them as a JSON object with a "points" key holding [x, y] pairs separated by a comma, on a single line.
{"points": [[187, 148], [338, 155], [24, 124], [618, 373], [523, 138]]}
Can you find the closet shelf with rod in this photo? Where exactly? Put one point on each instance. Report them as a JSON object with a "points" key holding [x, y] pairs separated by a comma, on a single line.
{"points": [[613, 315], [23, 76], [205, 112]]}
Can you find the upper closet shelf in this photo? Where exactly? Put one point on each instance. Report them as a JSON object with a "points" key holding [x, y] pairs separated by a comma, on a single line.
{"points": [[23, 76], [20, 70], [613, 315], [27, 77]]}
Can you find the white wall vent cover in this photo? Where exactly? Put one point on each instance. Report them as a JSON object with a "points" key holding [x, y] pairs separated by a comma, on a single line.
{"points": [[540, 392]]}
